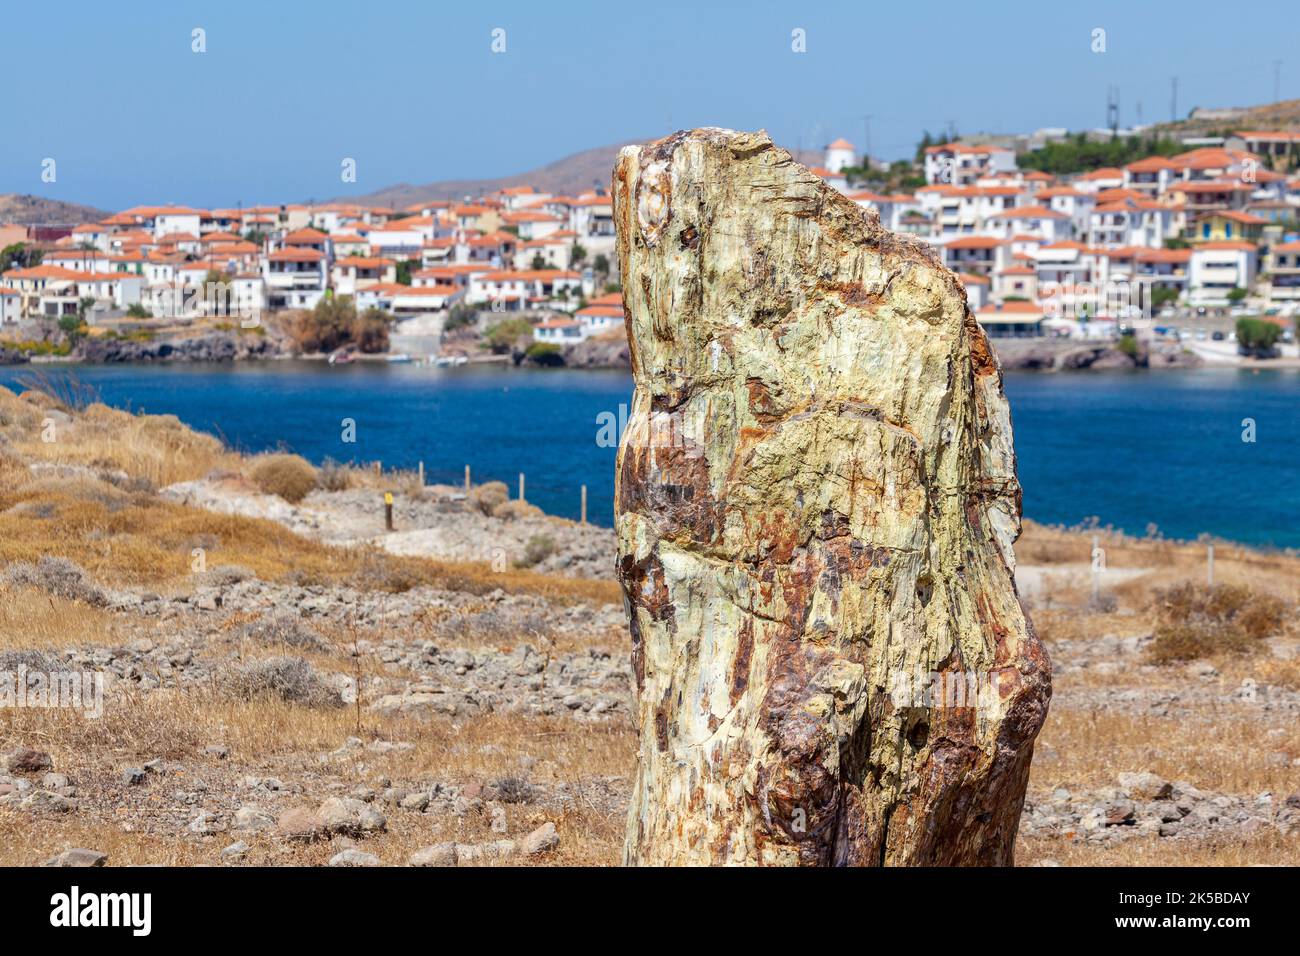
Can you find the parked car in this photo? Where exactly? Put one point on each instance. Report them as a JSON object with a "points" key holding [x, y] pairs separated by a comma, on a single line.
{"points": [[1217, 336]]}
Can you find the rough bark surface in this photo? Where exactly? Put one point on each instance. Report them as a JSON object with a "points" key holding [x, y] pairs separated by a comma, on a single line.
{"points": [[816, 497]]}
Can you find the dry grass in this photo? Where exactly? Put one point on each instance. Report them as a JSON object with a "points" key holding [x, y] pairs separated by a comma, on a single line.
{"points": [[1265, 849], [1225, 750], [1168, 562], [25, 841], [154, 449], [33, 620], [136, 538]]}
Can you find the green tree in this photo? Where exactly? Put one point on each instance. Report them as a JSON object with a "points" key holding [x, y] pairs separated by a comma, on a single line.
{"points": [[544, 353], [20, 255], [404, 272], [1237, 294], [505, 336], [1257, 335], [578, 254], [460, 316], [1078, 154], [369, 331], [1162, 296], [601, 264]]}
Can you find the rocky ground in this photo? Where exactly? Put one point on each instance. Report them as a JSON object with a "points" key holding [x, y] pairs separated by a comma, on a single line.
{"points": [[325, 693]]}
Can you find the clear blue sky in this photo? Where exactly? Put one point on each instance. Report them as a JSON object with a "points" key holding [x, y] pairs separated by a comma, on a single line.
{"points": [[412, 91]]}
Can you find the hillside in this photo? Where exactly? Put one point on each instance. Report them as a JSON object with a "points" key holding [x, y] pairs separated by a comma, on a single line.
{"points": [[571, 175], [1284, 114], [35, 210]]}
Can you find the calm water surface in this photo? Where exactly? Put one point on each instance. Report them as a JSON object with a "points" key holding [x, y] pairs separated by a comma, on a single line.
{"points": [[1131, 448]]}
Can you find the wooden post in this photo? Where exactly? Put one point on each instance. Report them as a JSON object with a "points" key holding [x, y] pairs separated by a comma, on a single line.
{"points": [[467, 479], [1096, 573], [388, 510], [379, 468], [521, 486], [584, 505], [1209, 565], [421, 474]]}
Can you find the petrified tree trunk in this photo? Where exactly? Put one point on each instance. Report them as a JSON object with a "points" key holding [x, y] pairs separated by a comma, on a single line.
{"points": [[816, 502]]}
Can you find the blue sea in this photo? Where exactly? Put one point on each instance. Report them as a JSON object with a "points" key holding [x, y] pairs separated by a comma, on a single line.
{"points": [[1131, 448]]}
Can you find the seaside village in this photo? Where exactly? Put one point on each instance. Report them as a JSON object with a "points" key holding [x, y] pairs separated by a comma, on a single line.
{"points": [[1170, 239]]}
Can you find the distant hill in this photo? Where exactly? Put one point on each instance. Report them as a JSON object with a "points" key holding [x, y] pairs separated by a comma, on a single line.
{"points": [[1284, 115], [33, 210], [569, 176]]}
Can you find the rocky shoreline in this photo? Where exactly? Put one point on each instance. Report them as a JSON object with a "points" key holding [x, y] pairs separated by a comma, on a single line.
{"points": [[609, 351]]}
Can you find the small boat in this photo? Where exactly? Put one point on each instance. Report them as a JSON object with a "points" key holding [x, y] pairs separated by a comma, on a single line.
{"points": [[342, 358], [399, 359], [446, 361]]}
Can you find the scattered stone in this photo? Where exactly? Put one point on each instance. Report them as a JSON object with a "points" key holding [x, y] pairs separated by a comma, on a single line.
{"points": [[354, 858], [441, 854], [542, 840], [26, 760], [254, 819], [499, 824], [301, 824], [344, 815], [236, 851], [415, 801], [133, 776], [77, 857], [207, 823], [219, 751], [1145, 786]]}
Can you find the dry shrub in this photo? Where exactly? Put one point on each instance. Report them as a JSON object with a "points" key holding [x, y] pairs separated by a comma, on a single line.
{"points": [[1193, 622], [380, 571], [538, 549], [290, 679], [289, 476], [510, 510], [59, 577], [283, 627], [331, 476], [489, 496]]}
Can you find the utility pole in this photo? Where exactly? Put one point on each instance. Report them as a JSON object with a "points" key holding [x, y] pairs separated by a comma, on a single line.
{"points": [[1112, 110]]}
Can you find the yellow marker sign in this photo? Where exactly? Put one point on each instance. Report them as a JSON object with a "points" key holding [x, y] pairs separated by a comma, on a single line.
{"points": [[388, 497]]}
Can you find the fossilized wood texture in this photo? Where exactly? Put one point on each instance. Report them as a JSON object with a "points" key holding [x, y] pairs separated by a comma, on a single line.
{"points": [[816, 493]]}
